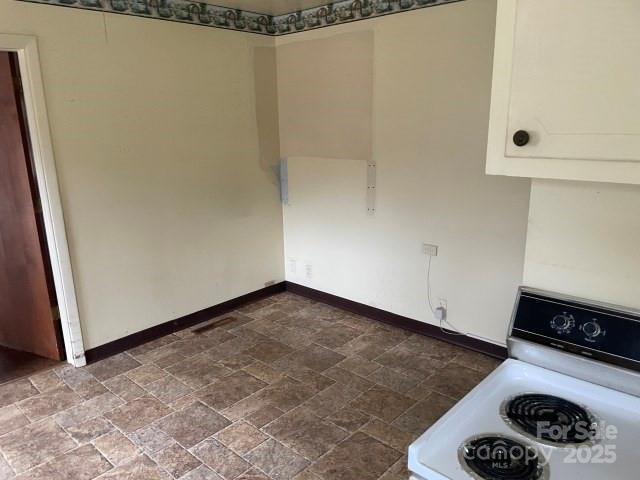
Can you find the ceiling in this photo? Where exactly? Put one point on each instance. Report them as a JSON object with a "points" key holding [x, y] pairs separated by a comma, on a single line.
{"points": [[271, 7]]}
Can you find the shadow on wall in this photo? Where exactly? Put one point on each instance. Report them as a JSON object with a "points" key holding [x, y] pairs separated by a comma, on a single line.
{"points": [[321, 79], [266, 98], [305, 83]]}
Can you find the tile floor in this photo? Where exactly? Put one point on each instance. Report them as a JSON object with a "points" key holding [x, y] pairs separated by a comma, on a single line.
{"points": [[16, 364], [285, 388]]}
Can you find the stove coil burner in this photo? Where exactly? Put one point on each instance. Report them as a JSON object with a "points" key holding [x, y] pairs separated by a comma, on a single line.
{"points": [[495, 457], [549, 419]]}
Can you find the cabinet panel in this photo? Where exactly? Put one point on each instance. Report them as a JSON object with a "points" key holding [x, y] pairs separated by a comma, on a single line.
{"points": [[576, 79], [568, 73]]}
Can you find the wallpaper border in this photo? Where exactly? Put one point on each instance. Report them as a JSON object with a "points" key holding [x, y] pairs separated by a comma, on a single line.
{"points": [[209, 15]]}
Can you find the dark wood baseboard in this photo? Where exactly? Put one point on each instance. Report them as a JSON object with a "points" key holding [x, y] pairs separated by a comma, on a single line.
{"points": [[138, 338], [144, 336], [405, 323]]}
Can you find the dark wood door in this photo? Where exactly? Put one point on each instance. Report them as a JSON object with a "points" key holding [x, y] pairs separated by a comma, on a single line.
{"points": [[27, 318]]}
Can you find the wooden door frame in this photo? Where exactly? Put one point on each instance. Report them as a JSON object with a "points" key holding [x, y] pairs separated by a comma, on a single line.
{"points": [[26, 48]]}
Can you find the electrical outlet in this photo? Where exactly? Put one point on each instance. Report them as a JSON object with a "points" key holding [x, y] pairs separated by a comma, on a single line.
{"points": [[309, 270], [440, 314], [430, 249], [293, 266], [443, 302]]}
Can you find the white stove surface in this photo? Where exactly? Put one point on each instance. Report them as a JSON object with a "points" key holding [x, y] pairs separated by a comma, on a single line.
{"points": [[434, 456]]}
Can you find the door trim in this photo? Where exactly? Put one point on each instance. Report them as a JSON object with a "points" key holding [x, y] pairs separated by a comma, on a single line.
{"points": [[26, 48]]}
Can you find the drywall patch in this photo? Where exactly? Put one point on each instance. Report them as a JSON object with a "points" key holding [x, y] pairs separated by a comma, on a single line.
{"points": [[325, 96], [371, 187]]}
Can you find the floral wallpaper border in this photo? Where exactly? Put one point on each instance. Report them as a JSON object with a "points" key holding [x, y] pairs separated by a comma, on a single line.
{"points": [[206, 14]]}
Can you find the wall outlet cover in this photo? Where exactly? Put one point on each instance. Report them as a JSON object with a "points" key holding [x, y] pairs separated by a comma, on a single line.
{"points": [[430, 249], [293, 266]]}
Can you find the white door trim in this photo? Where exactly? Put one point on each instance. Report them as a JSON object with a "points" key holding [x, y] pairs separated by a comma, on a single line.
{"points": [[45, 171]]}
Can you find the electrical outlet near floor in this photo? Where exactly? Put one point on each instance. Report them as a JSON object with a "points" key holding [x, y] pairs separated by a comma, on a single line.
{"points": [[293, 266], [308, 268], [430, 250]]}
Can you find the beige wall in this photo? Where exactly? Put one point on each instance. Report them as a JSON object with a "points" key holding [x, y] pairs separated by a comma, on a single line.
{"points": [[169, 204], [584, 240], [325, 100], [431, 89]]}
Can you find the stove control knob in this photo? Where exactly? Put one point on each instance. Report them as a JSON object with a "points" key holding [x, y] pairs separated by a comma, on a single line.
{"points": [[592, 329], [563, 323]]}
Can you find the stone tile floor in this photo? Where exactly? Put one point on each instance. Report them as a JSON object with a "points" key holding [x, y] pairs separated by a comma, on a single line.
{"points": [[285, 388]]}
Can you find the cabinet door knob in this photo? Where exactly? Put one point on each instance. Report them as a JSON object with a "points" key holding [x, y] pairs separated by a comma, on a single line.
{"points": [[521, 138]]}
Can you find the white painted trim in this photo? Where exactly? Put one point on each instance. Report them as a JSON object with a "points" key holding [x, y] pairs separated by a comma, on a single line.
{"points": [[45, 171]]}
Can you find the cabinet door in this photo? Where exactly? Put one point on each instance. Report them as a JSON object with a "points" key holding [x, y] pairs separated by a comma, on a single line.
{"points": [[575, 85], [568, 73]]}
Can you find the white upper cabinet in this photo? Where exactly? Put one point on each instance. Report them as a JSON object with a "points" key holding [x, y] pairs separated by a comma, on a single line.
{"points": [[566, 90]]}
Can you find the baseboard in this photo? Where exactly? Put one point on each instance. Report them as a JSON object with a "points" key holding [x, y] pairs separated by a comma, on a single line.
{"points": [[405, 323], [144, 336]]}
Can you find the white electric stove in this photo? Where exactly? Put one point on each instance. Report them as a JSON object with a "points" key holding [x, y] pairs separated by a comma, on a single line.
{"points": [[565, 405]]}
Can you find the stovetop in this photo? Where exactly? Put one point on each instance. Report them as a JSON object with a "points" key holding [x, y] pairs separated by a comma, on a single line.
{"points": [[436, 455], [496, 456], [549, 419]]}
